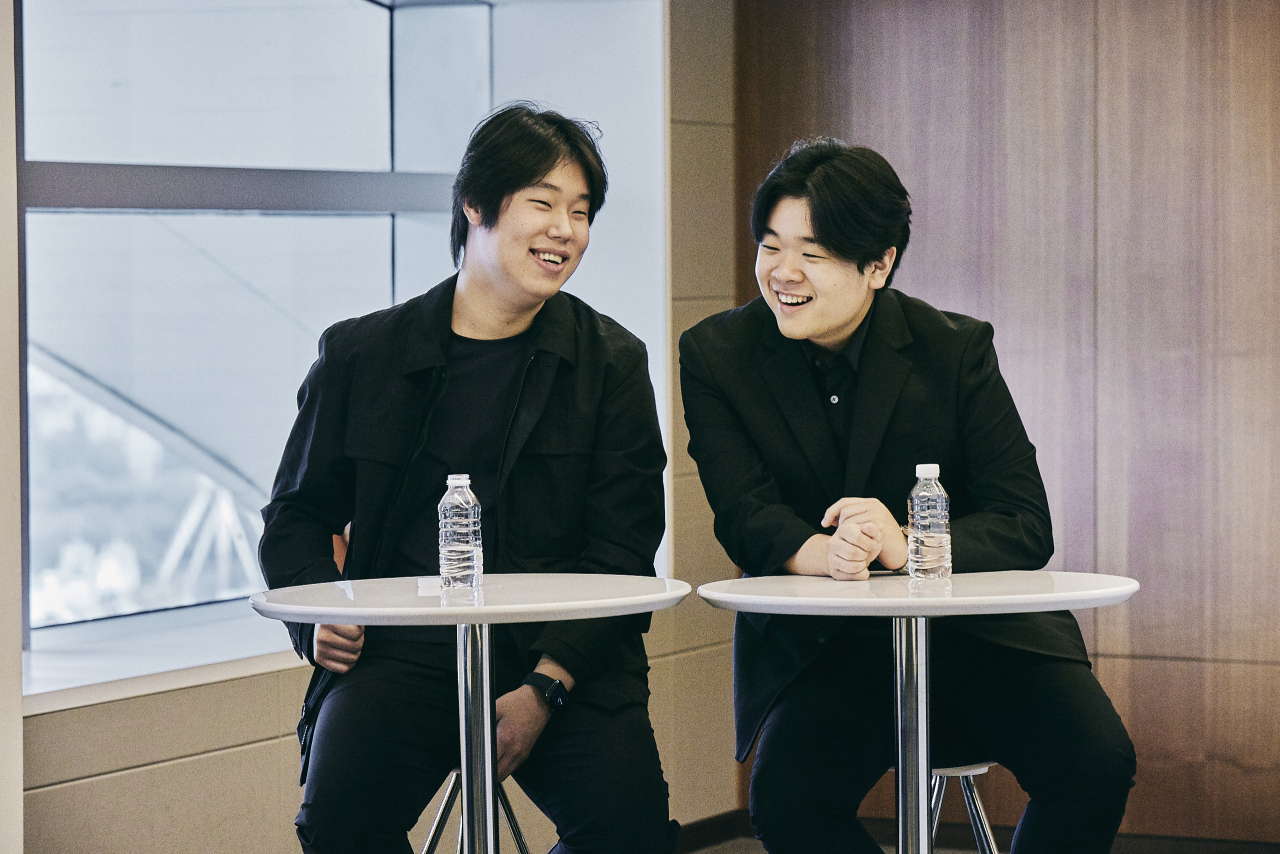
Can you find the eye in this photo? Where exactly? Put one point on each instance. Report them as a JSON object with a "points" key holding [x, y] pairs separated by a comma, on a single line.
{"points": [[767, 248], [542, 202], [813, 257]]}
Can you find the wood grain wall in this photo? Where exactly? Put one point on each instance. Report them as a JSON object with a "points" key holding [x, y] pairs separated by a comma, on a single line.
{"points": [[1101, 181]]}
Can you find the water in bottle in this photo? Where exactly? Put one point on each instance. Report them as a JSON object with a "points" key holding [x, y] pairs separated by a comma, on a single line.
{"points": [[928, 526], [461, 555]]}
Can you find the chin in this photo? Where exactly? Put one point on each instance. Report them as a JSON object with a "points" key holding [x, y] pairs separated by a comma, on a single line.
{"points": [[790, 329]]}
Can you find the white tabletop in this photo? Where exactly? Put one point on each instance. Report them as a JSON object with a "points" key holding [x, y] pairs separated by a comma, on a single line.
{"points": [[900, 596], [522, 598]]}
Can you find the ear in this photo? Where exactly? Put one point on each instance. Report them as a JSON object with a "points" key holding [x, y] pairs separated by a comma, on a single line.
{"points": [[881, 269], [473, 215]]}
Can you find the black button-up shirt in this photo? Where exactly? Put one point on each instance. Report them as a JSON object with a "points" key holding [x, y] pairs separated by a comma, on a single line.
{"points": [[836, 376]]}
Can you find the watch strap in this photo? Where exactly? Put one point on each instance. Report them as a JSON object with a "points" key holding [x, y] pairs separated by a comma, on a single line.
{"points": [[552, 690]]}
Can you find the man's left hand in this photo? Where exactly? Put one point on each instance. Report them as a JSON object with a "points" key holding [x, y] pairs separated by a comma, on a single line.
{"points": [[893, 545], [522, 715]]}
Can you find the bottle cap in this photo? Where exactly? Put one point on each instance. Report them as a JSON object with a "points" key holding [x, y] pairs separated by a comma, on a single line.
{"points": [[459, 480], [927, 470]]}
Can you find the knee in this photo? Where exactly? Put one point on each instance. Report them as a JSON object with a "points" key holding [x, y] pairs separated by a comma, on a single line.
{"points": [[1109, 766], [1100, 770], [633, 818]]}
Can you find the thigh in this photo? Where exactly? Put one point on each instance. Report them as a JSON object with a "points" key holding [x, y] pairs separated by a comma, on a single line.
{"points": [[1045, 719], [386, 737], [596, 774], [827, 740]]}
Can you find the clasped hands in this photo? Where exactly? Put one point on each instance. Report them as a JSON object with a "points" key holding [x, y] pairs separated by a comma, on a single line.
{"points": [[521, 714], [865, 530]]}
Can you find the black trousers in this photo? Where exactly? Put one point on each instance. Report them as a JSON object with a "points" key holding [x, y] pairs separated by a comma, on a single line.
{"points": [[387, 737], [831, 737]]}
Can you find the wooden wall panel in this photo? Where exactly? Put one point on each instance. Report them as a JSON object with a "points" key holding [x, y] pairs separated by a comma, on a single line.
{"points": [[1101, 180], [1188, 190], [1208, 751], [984, 110]]}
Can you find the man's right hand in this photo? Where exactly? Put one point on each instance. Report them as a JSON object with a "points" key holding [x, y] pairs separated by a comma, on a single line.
{"points": [[338, 647]]}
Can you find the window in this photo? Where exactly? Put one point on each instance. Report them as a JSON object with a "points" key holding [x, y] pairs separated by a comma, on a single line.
{"points": [[205, 186]]}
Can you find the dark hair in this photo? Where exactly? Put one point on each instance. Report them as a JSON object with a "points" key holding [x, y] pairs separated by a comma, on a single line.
{"points": [[514, 148], [857, 205]]}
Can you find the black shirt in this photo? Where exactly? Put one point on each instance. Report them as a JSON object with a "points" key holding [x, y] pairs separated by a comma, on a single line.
{"points": [[466, 436], [836, 376]]}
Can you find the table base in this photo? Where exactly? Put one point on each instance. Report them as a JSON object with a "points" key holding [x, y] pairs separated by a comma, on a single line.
{"points": [[475, 723], [914, 773]]}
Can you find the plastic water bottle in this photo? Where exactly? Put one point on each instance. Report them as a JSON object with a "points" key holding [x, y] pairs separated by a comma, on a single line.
{"points": [[461, 555], [928, 526]]}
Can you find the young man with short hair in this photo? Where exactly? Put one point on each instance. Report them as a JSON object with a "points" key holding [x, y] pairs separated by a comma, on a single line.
{"points": [[549, 407], [808, 410]]}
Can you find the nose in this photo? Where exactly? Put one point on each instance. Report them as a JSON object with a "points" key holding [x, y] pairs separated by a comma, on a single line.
{"points": [[561, 225], [788, 268]]}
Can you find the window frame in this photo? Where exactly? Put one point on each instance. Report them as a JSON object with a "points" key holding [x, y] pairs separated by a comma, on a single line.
{"points": [[61, 186]]}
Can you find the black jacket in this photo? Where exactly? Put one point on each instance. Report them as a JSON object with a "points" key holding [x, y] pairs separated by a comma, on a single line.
{"points": [[929, 390], [580, 486]]}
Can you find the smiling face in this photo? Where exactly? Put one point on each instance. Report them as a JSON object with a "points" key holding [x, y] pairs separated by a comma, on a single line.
{"points": [[813, 294], [536, 244]]}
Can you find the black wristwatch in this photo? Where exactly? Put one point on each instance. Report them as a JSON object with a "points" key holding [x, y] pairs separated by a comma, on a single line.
{"points": [[551, 690]]}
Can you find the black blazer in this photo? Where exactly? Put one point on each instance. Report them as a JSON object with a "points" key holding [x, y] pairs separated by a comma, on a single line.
{"points": [[580, 488], [929, 390]]}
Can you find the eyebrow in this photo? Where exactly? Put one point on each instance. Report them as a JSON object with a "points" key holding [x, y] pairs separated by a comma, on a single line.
{"points": [[547, 185], [772, 233]]}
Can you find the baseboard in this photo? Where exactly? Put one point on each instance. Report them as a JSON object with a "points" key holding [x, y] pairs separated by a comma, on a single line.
{"points": [[706, 832], [960, 836], [950, 834], [698, 835]]}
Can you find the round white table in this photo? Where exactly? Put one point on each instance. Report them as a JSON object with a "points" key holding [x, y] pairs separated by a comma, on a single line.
{"points": [[523, 598], [911, 602]]}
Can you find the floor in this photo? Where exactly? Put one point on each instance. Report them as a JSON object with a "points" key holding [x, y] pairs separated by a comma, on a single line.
{"points": [[752, 846], [1124, 845]]}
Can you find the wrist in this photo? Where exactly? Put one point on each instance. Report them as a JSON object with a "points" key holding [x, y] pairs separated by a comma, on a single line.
{"points": [[896, 558]]}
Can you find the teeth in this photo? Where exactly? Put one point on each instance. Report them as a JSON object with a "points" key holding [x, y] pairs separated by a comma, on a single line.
{"points": [[554, 259], [792, 299]]}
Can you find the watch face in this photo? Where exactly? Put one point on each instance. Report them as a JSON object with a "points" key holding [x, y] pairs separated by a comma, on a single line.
{"points": [[552, 690]]}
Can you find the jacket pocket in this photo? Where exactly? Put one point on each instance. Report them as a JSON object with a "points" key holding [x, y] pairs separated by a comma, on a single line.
{"points": [[549, 484]]}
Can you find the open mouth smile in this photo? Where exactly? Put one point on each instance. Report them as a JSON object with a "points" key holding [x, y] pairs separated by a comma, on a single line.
{"points": [[792, 299], [553, 259]]}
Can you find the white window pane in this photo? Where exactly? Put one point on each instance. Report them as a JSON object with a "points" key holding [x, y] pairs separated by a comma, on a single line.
{"points": [[189, 333], [422, 253], [119, 523], [442, 84], [287, 84]]}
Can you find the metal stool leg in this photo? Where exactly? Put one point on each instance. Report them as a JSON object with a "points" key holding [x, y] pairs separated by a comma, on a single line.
{"points": [[978, 817], [939, 791], [452, 788], [442, 814], [510, 816]]}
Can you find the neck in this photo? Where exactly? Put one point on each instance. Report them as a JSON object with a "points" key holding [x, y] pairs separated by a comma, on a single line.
{"points": [[481, 312]]}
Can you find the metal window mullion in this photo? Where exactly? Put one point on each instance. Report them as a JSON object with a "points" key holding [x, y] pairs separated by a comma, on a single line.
{"points": [[116, 186]]}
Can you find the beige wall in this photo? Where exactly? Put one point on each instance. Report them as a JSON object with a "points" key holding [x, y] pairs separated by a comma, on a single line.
{"points": [[10, 465], [214, 767], [692, 705]]}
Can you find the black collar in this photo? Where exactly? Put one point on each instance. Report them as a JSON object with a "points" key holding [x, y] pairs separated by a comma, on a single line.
{"points": [[432, 317]]}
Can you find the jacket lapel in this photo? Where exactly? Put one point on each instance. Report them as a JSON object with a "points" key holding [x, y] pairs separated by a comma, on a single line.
{"points": [[535, 389], [882, 371], [787, 377], [555, 338]]}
